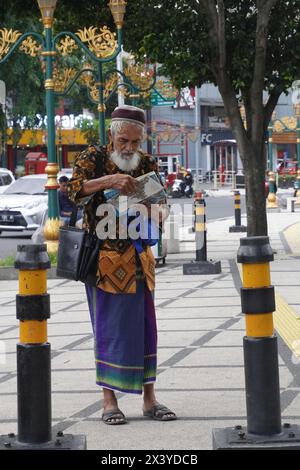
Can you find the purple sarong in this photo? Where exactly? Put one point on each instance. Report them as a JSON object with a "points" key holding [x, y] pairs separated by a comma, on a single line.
{"points": [[125, 337]]}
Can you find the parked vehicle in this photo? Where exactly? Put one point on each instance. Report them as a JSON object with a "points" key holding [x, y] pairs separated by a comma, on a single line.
{"points": [[6, 179], [24, 203], [181, 189], [287, 168]]}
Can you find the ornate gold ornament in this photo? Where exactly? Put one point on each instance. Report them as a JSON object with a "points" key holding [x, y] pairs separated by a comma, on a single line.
{"points": [[139, 76], [94, 93], [111, 83], [63, 79], [297, 110], [87, 79], [51, 233], [289, 122], [102, 44], [193, 136], [118, 8], [165, 89], [278, 126], [166, 136], [49, 84], [101, 108], [52, 169], [7, 38], [66, 46], [31, 47], [48, 53]]}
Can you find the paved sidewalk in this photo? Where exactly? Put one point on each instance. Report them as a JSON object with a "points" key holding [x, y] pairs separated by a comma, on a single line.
{"points": [[200, 357]]}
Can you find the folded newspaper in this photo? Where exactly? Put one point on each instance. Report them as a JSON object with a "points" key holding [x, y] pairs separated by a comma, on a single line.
{"points": [[149, 191]]}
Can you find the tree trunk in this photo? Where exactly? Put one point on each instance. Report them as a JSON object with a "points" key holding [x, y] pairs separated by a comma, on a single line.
{"points": [[254, 169]]}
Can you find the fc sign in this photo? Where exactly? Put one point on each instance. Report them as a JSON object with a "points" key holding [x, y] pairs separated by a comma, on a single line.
{"points": [[206, 139]]}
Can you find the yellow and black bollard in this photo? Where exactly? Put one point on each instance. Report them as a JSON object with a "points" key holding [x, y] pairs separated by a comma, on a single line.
{"points": [[34, 358], [272, 199], [264, 430], [238, 227], [201, 265], [198, 196]]}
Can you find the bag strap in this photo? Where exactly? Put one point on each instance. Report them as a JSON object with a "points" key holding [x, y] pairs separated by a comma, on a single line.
{"points": [[98, 173], [73, 218]]}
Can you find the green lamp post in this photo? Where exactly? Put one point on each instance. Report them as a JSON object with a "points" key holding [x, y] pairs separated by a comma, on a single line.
{"points": [[100, 47]]}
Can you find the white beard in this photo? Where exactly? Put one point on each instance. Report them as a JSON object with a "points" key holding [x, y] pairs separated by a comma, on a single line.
{"points": [[127, 162]]}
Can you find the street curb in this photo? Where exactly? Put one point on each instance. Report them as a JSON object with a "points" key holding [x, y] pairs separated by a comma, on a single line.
{"points": [[12, 274]]}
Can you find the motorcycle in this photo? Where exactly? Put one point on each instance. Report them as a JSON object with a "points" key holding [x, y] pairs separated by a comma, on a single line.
{"points": [[181, 189]]}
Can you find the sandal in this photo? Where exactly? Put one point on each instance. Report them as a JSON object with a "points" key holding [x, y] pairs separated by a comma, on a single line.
{"points": [[114, 416], [160, 412]]}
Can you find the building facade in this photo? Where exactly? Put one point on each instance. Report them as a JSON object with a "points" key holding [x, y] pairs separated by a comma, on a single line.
{"points": [[200, 121]]}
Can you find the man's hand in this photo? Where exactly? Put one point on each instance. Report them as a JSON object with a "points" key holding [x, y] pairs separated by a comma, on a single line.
{"points": [[126, 184]]}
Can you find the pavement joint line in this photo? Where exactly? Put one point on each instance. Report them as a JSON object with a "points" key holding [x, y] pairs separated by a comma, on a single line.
{"points": [[16, 338], [158, 389], [7, 303], [71, 306], [72, 345], [192, 318], [187, 419], [10, 328], [214, 366], [17, 326], [204, 306], [59, 285], [8, 377], [212, 296], [287, 397]]}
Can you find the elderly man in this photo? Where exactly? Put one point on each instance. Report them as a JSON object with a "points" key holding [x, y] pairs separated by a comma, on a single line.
{"points": [[121, 306]]}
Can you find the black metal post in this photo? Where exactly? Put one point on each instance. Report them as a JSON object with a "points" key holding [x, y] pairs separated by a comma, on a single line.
{"points": [[238, 227]]}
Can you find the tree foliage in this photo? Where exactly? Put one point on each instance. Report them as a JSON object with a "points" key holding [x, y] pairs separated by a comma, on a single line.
{"points": [[23, 75], [245, 47], [179, 36]]}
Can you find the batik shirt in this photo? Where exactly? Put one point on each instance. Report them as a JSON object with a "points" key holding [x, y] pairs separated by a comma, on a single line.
{"points": [[119, 264]]}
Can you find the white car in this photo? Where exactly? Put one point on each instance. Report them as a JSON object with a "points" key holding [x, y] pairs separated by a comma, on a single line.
{"points": [[6, 179], [23, 204]]}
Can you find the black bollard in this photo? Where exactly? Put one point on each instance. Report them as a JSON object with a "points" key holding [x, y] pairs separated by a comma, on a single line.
{"points": [[201, 265], [264, 430], [238, 227], [33, 358]]}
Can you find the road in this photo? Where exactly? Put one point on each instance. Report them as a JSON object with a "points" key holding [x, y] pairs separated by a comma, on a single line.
{"points": [[216, 208]]}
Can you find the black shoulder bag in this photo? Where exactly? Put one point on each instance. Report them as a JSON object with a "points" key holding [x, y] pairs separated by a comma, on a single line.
{"points": [[78, 250]]}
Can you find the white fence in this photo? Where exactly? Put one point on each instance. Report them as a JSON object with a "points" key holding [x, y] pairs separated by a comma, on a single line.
{"points": [[225, 179]]}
